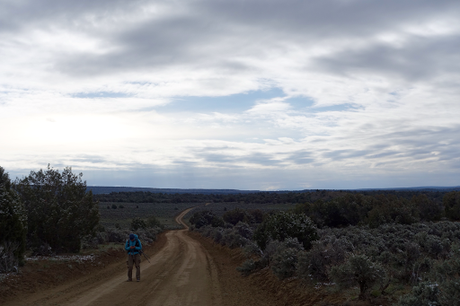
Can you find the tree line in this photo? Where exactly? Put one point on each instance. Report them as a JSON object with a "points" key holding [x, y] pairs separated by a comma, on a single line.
{"points": [[264, 197]]}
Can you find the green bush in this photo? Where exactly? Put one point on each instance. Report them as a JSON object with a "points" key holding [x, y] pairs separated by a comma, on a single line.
{"points": [[428, 209], [450, 293], [244, 230], [13, 225], [284, 225], [152, 221], [234, 216], [358, 270], [60, 212], [247, 267], [325, 253], [451, 202], [205, 217], [425, 294], [284, 260], [138, 223], [391, 209], [250, 266]]}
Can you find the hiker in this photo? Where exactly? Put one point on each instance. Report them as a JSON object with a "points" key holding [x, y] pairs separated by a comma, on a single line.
{"points": [[134, 248]]}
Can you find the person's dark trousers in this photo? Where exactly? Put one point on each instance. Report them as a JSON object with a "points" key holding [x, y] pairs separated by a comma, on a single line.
{"points": [[134, 260]]}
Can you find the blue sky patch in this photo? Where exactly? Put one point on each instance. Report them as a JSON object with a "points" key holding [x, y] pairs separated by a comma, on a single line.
{"points": [[100, 94], [300, 103], [228, 104], [335, 108]]}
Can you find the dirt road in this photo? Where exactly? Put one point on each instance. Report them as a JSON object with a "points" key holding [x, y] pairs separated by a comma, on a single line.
{"points": [[180, 273], [185, 269]]}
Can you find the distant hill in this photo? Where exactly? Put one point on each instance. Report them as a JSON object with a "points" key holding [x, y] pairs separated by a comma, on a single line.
{"points": [[426, 188], [109, 189]]}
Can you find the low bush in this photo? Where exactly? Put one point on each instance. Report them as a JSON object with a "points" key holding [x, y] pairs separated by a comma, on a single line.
{"points": [[424, 294], [235, 216], [138, 223], [450, 293], [284, 225], [251, 266], [358, 270], [325, 253], [8, 260], [205, 217], [13, 225], [284, 259]]}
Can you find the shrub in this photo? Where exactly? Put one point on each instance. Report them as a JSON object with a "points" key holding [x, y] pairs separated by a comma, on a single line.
{"points": [[358, 270], [205, 217], [60, 212], [428, 210], [451, 202], [116, 235], [450, 294], [251, 249], [13, 225], [284, 225], [332, 213], [90, 242], [138, 223], [430, 244], [250, 266], [152, 221], [284, 259], [216, 235], [247, 267], [234, 216], [147, 235], [255, 216], [406, 259], [9, 261], [425, 294], [244, 230], [392, 211], [325, 253], [232, 239]]}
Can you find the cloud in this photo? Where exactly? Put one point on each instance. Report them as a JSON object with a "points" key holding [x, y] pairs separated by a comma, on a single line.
{"points": [[310, 92]]}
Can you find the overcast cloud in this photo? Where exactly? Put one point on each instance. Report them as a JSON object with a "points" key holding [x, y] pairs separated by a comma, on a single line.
{"points": [[233, 94]]}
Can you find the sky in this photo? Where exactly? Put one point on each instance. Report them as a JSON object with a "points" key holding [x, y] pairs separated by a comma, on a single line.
{"points": [[254, 94]]}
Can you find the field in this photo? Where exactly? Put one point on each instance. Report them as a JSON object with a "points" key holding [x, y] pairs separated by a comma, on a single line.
{"points": [[166, 212], [125, 212]]}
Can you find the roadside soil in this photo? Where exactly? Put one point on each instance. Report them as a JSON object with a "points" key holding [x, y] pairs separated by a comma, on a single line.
{"points": [[184, 269]]}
